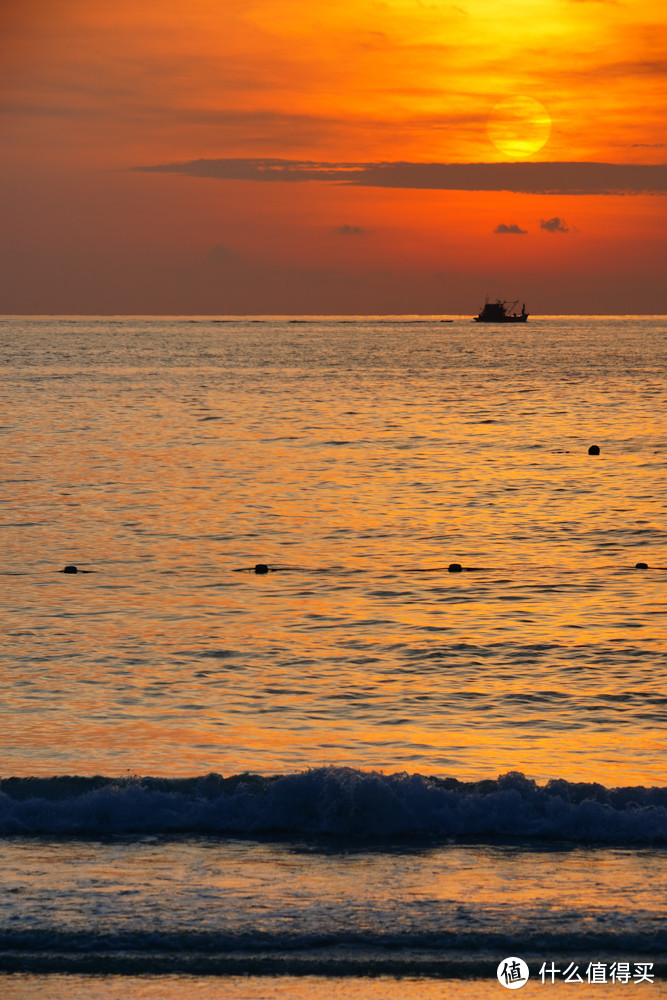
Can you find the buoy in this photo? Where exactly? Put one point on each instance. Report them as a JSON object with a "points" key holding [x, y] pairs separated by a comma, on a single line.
{"points": [[261, 568], [594, 449], [641, 565], [455, 568], [70, 569]]}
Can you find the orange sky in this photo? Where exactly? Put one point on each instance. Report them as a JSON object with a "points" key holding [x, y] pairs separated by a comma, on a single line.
{"points": [[107, 104]]}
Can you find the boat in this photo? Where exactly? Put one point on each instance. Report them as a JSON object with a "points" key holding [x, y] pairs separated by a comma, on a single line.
{"points": [[501, 312]]}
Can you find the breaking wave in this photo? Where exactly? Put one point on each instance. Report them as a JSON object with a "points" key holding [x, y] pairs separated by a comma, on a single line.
{"points": [[335, 802]]}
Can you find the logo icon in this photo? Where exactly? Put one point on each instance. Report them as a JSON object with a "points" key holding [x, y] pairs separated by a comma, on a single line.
{"points": [[513, 973]]}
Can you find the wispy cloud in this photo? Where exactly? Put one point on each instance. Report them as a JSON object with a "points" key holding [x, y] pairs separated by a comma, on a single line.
{"points": [[346, 230], [528, 178], [223, 255]]}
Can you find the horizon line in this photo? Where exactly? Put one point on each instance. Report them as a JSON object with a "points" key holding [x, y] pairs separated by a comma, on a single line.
{"points": [[319, 316]]}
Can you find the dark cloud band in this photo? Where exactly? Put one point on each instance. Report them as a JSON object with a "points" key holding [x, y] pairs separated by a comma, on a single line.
{"points": [[528, 178]]}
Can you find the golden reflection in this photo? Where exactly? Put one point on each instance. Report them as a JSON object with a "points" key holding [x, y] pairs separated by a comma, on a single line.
{"points": [[361, 650], [27, 987]]}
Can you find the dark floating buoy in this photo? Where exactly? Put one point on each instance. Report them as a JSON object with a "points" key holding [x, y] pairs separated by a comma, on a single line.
{"points": [[261, 568], [455, 568], [641, 565], [594, 449], [69, 569]]}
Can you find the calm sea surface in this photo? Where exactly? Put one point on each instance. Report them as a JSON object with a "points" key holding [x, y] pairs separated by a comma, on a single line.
{"points": [[358, 763]]}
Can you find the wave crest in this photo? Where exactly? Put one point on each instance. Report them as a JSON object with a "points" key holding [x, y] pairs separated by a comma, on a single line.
{"points": [[334, 801]]}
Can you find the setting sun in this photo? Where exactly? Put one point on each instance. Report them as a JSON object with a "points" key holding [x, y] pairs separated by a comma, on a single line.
{"points": [[519, 127]]}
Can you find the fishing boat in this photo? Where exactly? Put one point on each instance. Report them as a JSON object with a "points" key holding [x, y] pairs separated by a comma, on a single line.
{"points": [[501, 312]]}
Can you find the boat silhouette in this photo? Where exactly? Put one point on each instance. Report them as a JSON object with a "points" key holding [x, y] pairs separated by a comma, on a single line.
{"points": [[501, 312]]}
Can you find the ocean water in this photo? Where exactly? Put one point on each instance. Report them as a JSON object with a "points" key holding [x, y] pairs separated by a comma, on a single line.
{"points": [[362, 773]]}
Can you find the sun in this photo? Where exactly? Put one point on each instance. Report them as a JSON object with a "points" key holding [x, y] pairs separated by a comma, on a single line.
{"points": [[519, 126]]}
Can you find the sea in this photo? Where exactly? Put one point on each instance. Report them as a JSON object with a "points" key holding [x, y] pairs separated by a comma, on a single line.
{"points": [[355, 687]]}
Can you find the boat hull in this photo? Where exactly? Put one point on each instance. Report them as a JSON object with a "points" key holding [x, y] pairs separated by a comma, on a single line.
{"points": [[521, 318]]}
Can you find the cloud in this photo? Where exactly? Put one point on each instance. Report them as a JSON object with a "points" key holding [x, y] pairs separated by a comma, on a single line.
{"points": [[223, 255], [501, 228], [528, 178], [346, 230], [555, 225]]}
